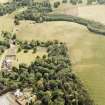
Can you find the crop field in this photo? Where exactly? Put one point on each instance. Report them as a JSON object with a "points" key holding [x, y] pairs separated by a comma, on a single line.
{"points": [[86, 49], [95, 12]]}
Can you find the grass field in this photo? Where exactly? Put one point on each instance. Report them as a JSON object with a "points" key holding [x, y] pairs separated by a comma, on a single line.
{"points": [[95, 12], [86, 49], [6, 23], [28, 57], [4, 1]]}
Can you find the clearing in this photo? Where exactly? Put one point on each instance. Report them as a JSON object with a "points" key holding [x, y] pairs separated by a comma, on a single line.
{"points": [[28, 57]]}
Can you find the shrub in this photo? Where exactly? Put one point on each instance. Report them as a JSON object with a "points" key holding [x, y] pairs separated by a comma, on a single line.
{"points": [[16, 22], [2, 50], [34, 50], [19, 50], [64, 1], [56, 4], [25, 51], [74, 2]]}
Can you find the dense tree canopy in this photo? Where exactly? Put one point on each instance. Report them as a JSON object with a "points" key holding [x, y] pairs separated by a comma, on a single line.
{"points": [[15, 4], [50, 77]]}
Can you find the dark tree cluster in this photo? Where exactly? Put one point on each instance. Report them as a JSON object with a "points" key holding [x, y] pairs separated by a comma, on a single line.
{"points": [[9, 7], [34, 13], [4, 43], [44, 6], [56, 4], [89, 2], [101, 1], [32, 45], [50, 78]]}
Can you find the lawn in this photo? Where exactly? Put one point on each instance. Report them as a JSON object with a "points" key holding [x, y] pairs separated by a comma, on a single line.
{"points": [[28, 57]]}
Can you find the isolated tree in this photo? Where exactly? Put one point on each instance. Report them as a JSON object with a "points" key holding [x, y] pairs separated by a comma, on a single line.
{"points": [[74, 2], [19, 50], [64, 1], [14, 36], [34, 50], [56, 4], [44, 56], [45, 100], [16, 22], [25, 51]]}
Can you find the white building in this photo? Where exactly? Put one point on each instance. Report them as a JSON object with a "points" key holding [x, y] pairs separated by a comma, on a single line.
{"points": [[18, 93]]}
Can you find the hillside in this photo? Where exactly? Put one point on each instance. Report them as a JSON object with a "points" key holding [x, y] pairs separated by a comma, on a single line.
{"points": [[85, 48]]}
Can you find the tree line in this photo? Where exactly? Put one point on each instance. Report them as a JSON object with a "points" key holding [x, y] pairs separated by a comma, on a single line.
{"points": [[5, 41], [88, 2], [9, 7]]}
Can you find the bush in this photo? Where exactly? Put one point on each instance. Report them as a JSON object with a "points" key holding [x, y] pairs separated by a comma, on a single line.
{"points": [[2, 50], [19, 50], [74, 2], [56, 4], [16, 22], [25, 51], [64, 1], [101, 1], [34, 50]]}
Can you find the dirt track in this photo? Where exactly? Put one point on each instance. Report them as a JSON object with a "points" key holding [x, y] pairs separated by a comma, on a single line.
{"points": [[7, 99]]}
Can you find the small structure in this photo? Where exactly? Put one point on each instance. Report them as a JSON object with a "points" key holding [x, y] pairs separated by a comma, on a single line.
{"points": [[18, 93], [7, 64]]}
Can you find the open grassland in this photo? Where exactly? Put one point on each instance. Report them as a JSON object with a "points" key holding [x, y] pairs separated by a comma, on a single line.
{"points": [[28, 57], [6, 23], [95, 12]]}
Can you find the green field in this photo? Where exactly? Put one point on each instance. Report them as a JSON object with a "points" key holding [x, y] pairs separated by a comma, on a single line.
{"points": [[28, 57]]}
